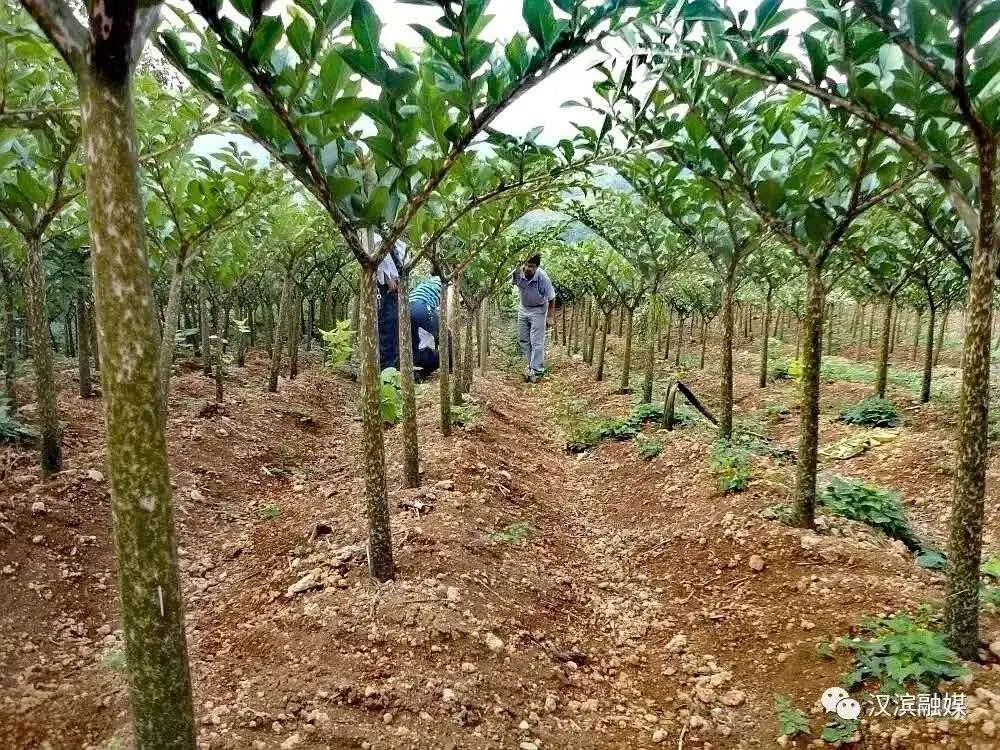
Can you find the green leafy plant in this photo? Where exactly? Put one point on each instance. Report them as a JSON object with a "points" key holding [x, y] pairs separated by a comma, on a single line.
{"points": [[730, 465], [989, 598], [991, 567], [901, 653], [872, 412], [391, 395], [782, 512], [512, 534], [270, 511], [338, 343], [931, 558], [647, 448], [778, 371], [12, 430], [791, 721], [879, 508], [839, 731], [776, 411], [593, 430], [113, 659], [465, 415]]}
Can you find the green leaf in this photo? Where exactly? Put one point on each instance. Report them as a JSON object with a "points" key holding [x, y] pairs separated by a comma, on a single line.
{"points": [[370, 66], [541, 21], [265, 38], [818, 60], [29, 186], [765, 12], [703, 10], [300, 37], [366, 27], [771, 194], [981, 23], [342, 187]]}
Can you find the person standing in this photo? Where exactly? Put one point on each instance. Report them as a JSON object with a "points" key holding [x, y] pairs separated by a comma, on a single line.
{"points": [[537, 300]]}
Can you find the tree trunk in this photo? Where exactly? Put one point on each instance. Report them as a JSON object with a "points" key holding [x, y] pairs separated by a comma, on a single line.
{"points": [[69, 337], [571, 338], [704, 342], [171, 317], [652, 334], [621, 321], [605, 328], [310, 323], [726, 386], [380, 563], [627, 356], [940, 336], [762, 380], [411, 446], [467, 353], [151, 608], [871, 327], [680, 342], [41, 351], [217, 354], [592, 339], [83, 345], [882, 366], [812, 340], [829, 329], [294, 335], [444, 351], [457, 386], [205, 324], [8, 340], [563, 316], [666, 340], [966, 533], [484, 336], [280, 327], [917, 330], [925, 383]]}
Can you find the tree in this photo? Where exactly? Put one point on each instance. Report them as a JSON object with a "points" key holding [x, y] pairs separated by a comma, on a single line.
{"points": [[102, 58], [771, 267], [923, 74], [428, 111]]}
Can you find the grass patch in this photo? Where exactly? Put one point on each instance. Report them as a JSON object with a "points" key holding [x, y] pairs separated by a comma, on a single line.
{"points": [[901, 654], [871, 412], [270, 511], [465, 415], [730, 465], [782, 512], [587, 432], [513, 534], [879, 508], [791, 721]]}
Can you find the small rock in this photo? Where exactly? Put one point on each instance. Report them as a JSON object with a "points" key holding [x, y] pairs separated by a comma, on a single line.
{"points": [[528, 746], [448, 695], [493, 643], [678, 643], [197, 496], [387, 717], [989, 728], [810, 542], [291, 742], [756, 563], [94, 475], [444, 484], [37, 539], [733, 698], [38, 507], [995, 648], [550, 703], [305, 583], [524, 726], [660, 735], [453, 594], [468, 667]]}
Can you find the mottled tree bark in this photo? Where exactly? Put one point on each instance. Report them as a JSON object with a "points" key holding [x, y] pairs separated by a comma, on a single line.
{"points": [[294, 335], [940, 336], [917, 330], [8, 341], [484, 336], [218, 351], [704, 343], [680, 341], [457, 344], [882, 366], [602, 351], [281, 325], [444, 351], [666, 342], [966, 533], [652, 335], [380, 563], [171, 317], [411, 446], [726, 387], [139, 476], [812, 341], [205, 328], [467, 353], [762, 379], [925, 383], [83, 346], [625, 383], [41, 354]]}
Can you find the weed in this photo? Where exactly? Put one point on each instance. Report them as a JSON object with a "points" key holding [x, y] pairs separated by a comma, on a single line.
{"points": [[779, 371], [512, 534], [931, 558], [270, 511], [338, 343], [776, 412], [872, 412], [839, 731], [731, 467], [989, 599], [991, 567], [824, 649], [901, 653], [391, 394], [592, 430], [465, 415], [791, 721], [881, 509], [647, 448], [781, 512], [113, 659]]}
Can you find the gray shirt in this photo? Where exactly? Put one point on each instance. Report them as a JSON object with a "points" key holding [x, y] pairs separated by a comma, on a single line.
{"points": [[536, 291]]}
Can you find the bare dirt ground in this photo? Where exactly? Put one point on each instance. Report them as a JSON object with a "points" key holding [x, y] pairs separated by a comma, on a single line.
{"points": [[544, 599]]}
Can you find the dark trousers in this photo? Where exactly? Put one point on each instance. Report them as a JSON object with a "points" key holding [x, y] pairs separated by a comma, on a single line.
{"points": [[388, 328]]}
